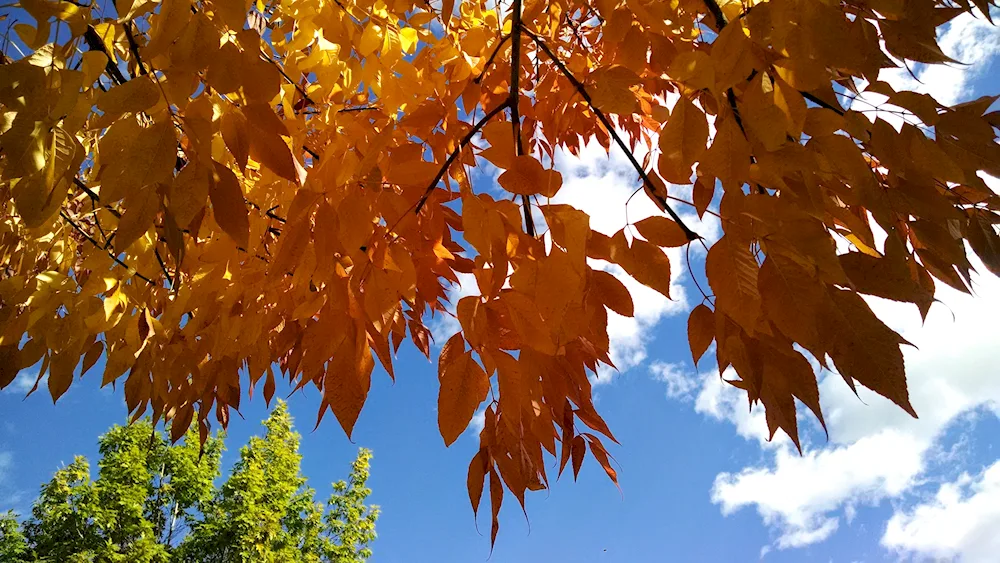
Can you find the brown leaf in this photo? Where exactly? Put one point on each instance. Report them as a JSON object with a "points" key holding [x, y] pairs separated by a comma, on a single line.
{"points": [[701, 330], [732, 274], [866, 350], [464, 386], [662, 232], [579, 449], [984, 240], [612, 293], [886, 278]]}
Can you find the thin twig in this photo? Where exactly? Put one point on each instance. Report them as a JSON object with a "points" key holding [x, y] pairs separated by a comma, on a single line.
{"points": [[301, 91], [117, 260], [691, 235], [458, 150], [489, 61]]}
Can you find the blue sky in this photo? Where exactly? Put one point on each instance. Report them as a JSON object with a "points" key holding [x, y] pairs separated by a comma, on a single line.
{"points": [[699, 481]]}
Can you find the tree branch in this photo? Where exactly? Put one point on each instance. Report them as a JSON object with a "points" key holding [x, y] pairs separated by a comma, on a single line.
{"points": [[691, 235], [133, 47], [95, 43], [300, 90], [515, 103], [458, 150], [489, 61], [117, 260]]}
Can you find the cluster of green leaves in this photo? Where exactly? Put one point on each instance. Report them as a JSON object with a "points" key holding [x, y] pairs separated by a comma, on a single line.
{"points": [[154, 502]]}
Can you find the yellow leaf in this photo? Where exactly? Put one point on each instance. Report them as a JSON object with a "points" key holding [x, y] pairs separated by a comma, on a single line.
{"points": [[228, 206], [693, 68], [133, 157], [266, 143], [371, 38], [136, 95], [141, 206], [408, 38], [611, 91], [728, 159], [189, 193], [682, 142], [234, 132]]}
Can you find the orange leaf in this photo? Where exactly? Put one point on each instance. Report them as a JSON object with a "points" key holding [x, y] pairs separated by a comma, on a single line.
{"points": [[662, 232], [732, 274], [645, 262], [228, 205], [477, 477], [464, 385], [701, 330], [612, 293], [526, 176]]}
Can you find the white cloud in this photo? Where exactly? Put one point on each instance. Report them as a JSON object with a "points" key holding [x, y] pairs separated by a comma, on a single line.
{"points": [[680, 385], [721, 401], [960, 522], [973, 42], [25, 381], [876, 451]]}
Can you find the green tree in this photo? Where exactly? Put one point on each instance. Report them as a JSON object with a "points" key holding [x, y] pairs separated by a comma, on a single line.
{"points": [[153, 502], [350, 524], [246, 519], [264, 512], [145, 489], [13, 544]]}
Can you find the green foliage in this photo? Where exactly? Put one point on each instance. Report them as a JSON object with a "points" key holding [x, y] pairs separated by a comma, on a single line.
{"points": [[154, 502], [13, 545], [351, 524]]}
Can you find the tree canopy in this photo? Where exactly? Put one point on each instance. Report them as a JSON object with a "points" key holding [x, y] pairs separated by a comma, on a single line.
{"points": [[154, 502], [199, 189]]}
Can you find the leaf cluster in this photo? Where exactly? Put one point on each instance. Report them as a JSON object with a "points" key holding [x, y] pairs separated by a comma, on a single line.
{"points": [[195, 190]]}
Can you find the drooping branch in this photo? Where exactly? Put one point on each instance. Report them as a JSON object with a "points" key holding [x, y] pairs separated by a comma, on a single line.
{"points": [[691, 235], [458, 150]]}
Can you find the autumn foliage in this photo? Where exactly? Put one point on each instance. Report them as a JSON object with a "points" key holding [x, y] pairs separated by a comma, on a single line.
{"points": [[198, 190]]}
